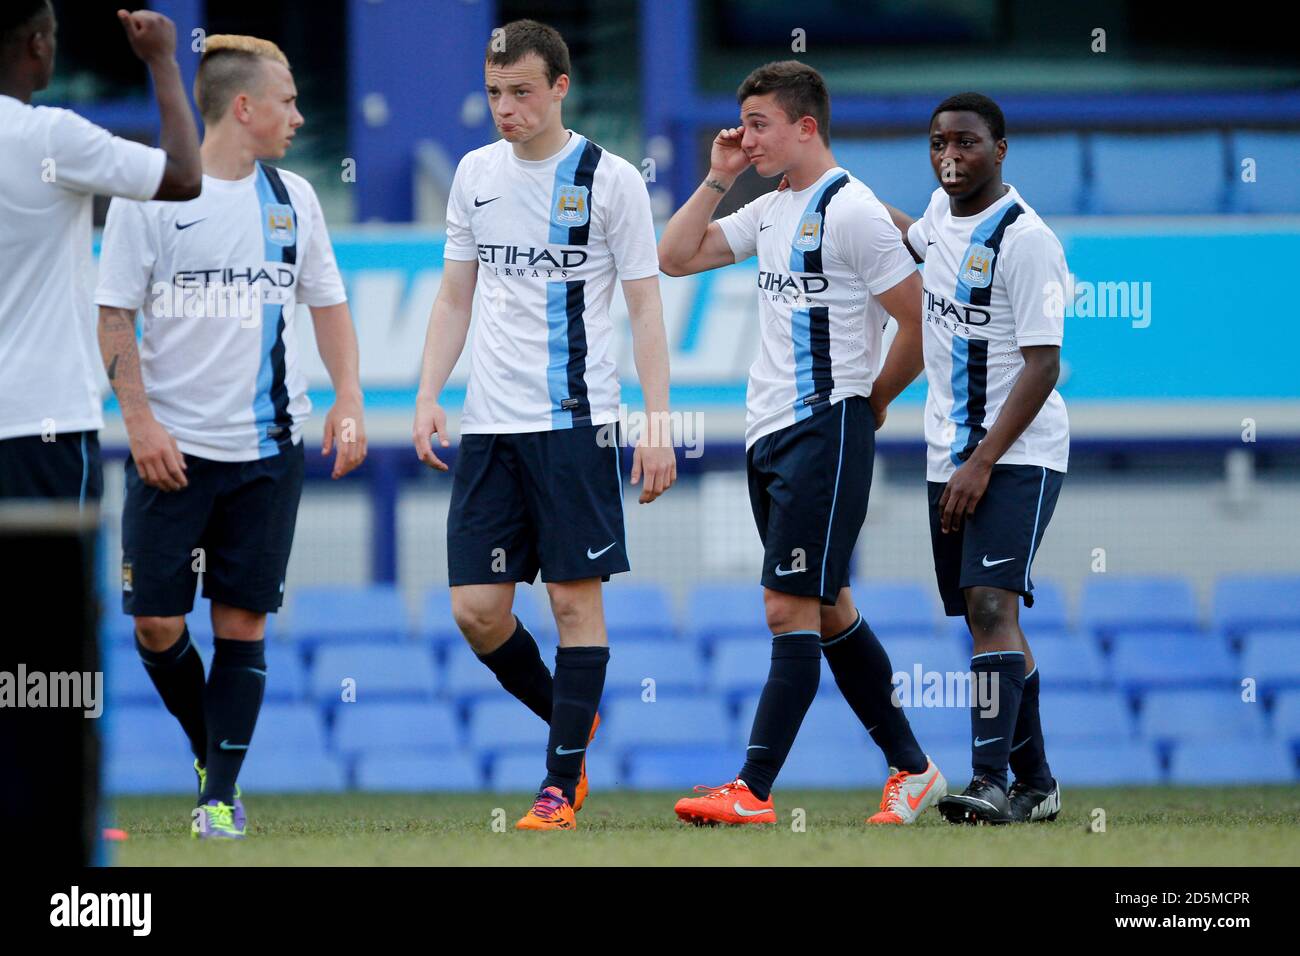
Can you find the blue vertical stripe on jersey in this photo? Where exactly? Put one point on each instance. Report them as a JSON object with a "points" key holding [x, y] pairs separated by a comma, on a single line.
{"points": [[566, 366], [984, 234], [811, 261], [801, 339], [271, 394], [576, 169], [576, 369], [585, 175], [969, 392], [982, 295]]}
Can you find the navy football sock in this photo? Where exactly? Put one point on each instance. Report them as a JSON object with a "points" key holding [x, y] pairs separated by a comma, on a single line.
{"points": [[579, 680], [790, 689], [518, 665], [865, 678], [236, 683], [1028, 750], [999, 680], [177, 672]]}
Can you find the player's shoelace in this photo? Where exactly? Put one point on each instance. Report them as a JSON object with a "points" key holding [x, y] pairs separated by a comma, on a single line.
{"points": [[220, 816], [721, 791], [547, 805], [893, 791]]}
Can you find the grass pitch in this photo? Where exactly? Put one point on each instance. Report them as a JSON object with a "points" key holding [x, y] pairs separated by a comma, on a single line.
{"points": [[1143, 827]]}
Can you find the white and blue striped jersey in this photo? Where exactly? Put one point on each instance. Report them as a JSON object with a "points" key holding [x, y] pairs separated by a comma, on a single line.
{"points": [[218, 280], [824, 254], [993, 283], [551, 237]]}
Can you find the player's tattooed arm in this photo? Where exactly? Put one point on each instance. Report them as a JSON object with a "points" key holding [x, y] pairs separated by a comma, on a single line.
{"points": [[157, 458], [690, 242]]}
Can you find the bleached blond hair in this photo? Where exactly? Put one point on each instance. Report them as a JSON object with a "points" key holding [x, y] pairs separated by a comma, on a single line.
{"points": [[231, 64]]}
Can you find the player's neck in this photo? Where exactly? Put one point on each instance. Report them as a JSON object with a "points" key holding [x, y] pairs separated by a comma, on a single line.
{"points": [[976, 203], [810, 170], [20, 88], [225, 158], [542, 146]]}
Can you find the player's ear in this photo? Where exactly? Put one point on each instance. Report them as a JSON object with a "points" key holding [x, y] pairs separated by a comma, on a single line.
{"points": [[561, 87], [1000, 150]]}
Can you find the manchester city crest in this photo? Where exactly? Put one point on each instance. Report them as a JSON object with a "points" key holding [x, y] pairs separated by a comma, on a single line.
{"points": [[809, 234], [278, 225], [977, 266], [572, 207]]}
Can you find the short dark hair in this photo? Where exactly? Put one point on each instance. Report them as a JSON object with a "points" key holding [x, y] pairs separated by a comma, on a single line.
{"points": [[519, 38], [989, 111], [19, 15], [798, 89]]}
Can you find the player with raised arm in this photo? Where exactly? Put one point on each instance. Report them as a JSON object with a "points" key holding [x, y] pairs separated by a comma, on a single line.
{"points": [[52, 162], [214, 402], [540, 226], [831, 270], [998, 438]]}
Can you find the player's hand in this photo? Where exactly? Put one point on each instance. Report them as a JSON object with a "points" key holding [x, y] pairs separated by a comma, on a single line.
{"points": [[157, 459], [784, 184], [658, 464], [430, 419], [152, 36], [345, 429], [726, 157], [962, 493], [880, 411]]}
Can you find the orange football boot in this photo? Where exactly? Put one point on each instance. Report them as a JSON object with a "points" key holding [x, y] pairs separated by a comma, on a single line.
{"points": [[730, 803], [580, 794], [550, 811]]}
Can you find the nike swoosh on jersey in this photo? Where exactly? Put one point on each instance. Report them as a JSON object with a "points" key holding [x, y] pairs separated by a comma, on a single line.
{"points": [[782, 573], [991, 740], [564, 751], [992, 564], [188, 224], [751, 813], [768, 226], [593, 557], [485, 201]]}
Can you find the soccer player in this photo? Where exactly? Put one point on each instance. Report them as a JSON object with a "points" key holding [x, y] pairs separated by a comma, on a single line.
{"points": [[998, 438], [51, 164], [540, 225], [831, 270], [214, 402]]}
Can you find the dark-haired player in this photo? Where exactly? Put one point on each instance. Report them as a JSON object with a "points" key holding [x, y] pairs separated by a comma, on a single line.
{"points": [[214, 401], [51, 163], [998, 437], [540, 226], [831, 270]]}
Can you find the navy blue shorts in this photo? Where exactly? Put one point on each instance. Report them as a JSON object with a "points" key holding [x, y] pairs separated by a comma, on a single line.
{"points": [[996, 545], [67, 467], [808, 488], [524, 502], [240, 513]]}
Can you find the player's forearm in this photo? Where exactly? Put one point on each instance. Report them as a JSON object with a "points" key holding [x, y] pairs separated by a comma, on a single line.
{"points": [[121, 358], [650, 352], [443, 343], [336, 340], [1033, 387], [179, 138], [685, 231], [903, 363]]}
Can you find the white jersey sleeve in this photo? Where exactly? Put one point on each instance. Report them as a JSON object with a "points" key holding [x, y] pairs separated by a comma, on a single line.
{"points": [[460, 234], [89, 159], [740, 229], [918, 236], [1032, 261], [629, 227], [869, 244], [319, 282], [127, 256]]}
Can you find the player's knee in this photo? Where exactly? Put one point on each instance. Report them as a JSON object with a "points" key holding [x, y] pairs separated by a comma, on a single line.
{"points": [[992, 616], [237, 623], [785, 612], [479, 620], [157, 634], [572, 607]]}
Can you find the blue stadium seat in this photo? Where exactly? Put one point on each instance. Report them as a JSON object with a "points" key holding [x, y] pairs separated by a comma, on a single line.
{"points": [[740, 664], [373, 613], [1050, 615], [115, 628], [1209, 715], [638, 612], [506, 725], [288, 729], [897, 608], [151, 773], [939, 726], [672, 721], [388, 727], [932, 654], [1165, 173], [1172, 661], [1286, 716], [674, 667], [829, 721], [144, 731], [1047, 171], [1091, 716], [1256, 602], [719, 611], [467, 677], [1240, 762], [126, 678], [681, 768], [418, 772], [817, 764], [1068, 664], [523, 771], [1276, 189], [1272, 658], [1114, 605], [291, 772], [286, 678], [897, 170], [1103, 765], [380, 671]]}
